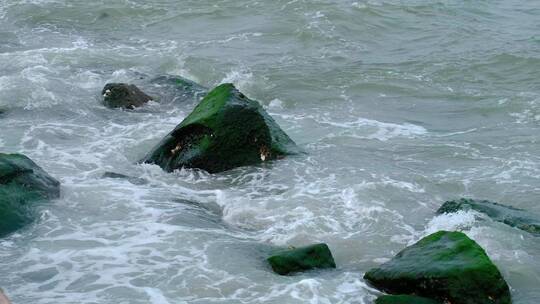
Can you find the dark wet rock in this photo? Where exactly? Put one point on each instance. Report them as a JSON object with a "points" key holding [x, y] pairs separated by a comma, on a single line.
{"points": [[22, 182], [123, 95], [445, 266], [511, 216], [131, 179], [300, 259], [226, 130], [180, 83], [176, 89], [404, 299]]}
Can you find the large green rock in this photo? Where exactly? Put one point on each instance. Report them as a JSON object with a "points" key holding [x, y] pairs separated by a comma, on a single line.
{"points": [[511, 216], [300, 259], [404, 299], [226, 130], [445, 266], [21, 183]]}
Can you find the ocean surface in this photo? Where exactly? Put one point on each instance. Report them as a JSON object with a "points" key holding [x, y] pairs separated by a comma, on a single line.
{"points": [[399, 106]]}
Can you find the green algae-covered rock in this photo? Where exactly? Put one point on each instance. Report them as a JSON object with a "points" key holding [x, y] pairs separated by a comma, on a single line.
{"points": [[445, 266], [22, 182], [511, 216], [299, 259], [404, 299], [122, 95], [226, 130]]}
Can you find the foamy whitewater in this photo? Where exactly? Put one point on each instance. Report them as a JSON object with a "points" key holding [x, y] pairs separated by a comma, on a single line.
{"points": [[399, 106]]}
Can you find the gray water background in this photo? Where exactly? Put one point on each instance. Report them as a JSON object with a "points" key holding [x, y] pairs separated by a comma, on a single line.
{"points": [[400, 105]]}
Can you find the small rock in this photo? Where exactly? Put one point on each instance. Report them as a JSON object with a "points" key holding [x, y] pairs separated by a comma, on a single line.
{"points": [[445, 266], [131, 179], [511, 216], [300, 259], [122, 95]]}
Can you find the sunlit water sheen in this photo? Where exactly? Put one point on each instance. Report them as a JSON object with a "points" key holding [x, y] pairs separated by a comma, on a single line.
{"points": [[399, 106]]}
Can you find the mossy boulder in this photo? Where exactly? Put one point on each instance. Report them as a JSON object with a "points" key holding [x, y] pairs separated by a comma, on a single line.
{"points": [[226, 130], [404, 299], [301, 259], [22, 182], [123, 95], [511, 216], [445, 266]]}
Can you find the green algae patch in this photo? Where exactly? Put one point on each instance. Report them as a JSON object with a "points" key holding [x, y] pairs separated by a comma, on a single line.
{"points": [[445, 266], [404, 299], [511, 216], [22, 182], [301, 259], [226, 130]]}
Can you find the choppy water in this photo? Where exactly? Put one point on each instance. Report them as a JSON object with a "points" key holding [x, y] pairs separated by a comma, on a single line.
{"points": [[399, 105]]}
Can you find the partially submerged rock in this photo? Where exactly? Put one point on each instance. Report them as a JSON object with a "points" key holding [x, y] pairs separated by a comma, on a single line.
{"points": [[445, 266], [404, 299], [123, 95], [131, 179], [226, 130], [300, 259], [182, 88], [511, 216], [21, 182]]}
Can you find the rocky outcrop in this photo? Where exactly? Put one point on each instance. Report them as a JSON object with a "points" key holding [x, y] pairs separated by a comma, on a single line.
{"points": [[123, 95], [21, 183], [511, 216], [404, 299], [444, 266], [226, 130], [301, 259]]}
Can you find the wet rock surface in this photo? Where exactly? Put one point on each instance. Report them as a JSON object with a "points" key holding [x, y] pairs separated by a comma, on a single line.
{"points": [[226, 130], [445, 266], [123, 95], [22, 182], [302, 259], [511, 216], [404, 299]]}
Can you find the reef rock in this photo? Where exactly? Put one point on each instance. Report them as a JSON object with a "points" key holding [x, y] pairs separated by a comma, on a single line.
{"points": [[21, 182], [446, 266], [123, 95], [300, 259], [511, 216], [226, 130]]}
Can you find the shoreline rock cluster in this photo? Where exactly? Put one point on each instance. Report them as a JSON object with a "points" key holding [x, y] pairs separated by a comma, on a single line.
{"points": [[228, 130]]}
